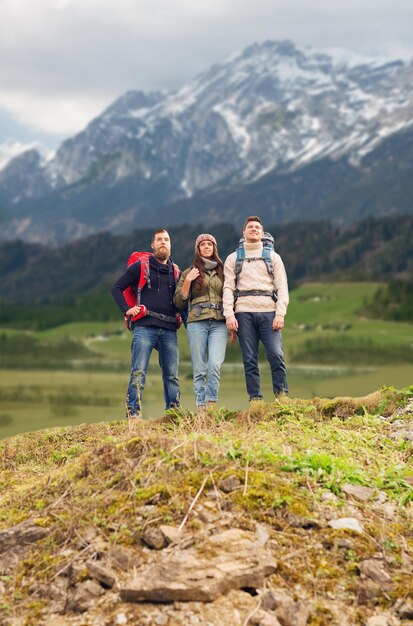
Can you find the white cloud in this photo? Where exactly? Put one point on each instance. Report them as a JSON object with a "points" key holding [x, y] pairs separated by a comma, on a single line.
{"points": [[62, 61], [10, 149], [51, 113]]}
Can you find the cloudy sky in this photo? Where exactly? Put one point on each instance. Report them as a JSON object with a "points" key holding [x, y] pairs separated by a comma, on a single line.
{"points": [[63, 61]]}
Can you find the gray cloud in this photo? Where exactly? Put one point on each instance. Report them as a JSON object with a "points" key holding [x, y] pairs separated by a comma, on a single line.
{"points": [[63, 61]]}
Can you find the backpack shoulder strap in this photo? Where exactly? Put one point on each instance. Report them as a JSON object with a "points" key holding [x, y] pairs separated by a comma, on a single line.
{"points": [[239, 259], [267, 248], [177, 272], [144, 276]]}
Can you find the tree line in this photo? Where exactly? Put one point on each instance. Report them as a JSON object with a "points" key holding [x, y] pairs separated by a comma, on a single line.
{"points": [[42, 286]]}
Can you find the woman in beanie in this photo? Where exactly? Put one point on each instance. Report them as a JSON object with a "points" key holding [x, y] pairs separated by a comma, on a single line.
{"points": [[200, 291]]}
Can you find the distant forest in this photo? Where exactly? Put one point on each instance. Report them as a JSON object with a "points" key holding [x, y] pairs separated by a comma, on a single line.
{"points": [[42, 286], [394, 301]]}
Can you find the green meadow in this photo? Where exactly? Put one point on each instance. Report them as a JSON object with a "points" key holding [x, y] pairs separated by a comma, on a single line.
{"points": [[78, 372]]}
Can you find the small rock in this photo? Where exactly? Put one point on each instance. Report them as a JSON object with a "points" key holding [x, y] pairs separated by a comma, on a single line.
{"points": [[230, 483], [120, 619], [389, 509], [406, 610], [24, 533], [227, 505], [256, 617], [10, 560], [374, 570], [269, 620], [172, 534], [262, 535], [87, 537], [378, 620], [328, 496], [346, 523], [276, 598], [210, 505], [161, 619], [154, 538], [71, 570], [358, 491], [262, 618], [347, 544], [368, 592], [212, 494], [84, 595], [294, 614], [123, 558], [207, 517], [287, 612], [381, 497], [103, 574], [298, 521]]}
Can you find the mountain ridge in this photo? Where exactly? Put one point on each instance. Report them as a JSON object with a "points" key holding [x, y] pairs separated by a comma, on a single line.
{"points": [[272, 109]]}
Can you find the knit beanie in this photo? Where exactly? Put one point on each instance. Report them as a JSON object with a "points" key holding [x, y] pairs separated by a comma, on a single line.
{"points": [[204, 237]]}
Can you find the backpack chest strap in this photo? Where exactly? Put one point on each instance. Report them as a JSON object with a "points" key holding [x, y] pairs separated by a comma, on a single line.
{"points": [[255, 292]]}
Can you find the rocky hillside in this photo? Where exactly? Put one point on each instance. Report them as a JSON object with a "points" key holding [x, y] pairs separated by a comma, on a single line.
{"points": [[273, 108], [293, 513]]}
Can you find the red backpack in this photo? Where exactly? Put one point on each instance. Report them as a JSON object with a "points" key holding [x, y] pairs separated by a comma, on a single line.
{"points": [[132, 295]]}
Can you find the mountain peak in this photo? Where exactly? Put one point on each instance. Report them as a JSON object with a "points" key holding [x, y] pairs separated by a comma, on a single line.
{"points": [[274, 107], [131, 101]]}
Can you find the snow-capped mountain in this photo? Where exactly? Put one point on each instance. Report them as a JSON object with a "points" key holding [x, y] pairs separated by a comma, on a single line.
{"points": [[273, 106]]}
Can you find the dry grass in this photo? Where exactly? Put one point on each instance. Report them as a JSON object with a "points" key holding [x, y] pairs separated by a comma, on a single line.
{"points": [[287, 456]]}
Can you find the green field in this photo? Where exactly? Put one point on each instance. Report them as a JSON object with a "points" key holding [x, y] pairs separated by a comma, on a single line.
{"points": [[331, 349]]}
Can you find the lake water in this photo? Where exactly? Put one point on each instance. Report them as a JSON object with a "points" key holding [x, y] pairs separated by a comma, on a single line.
{"points": [[32, 400]]}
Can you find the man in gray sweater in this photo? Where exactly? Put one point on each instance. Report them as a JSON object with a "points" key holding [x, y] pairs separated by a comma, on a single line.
{"points": [[255, 302]]}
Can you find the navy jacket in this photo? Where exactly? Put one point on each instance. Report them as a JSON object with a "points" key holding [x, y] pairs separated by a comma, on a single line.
{"points": [[158, 297]]}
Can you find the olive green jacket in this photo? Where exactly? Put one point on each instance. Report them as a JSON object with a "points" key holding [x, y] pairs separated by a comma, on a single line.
{"points": [[211, 291]]}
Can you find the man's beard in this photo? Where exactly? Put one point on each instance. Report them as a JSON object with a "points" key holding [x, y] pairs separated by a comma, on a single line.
{"points": [[162, 254]]}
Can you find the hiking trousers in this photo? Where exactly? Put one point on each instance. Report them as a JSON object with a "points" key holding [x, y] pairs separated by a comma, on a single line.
{"points": [[253, 328], [144, 340]]}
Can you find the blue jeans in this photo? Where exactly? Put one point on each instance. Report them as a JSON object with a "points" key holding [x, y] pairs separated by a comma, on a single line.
{"points": [[144, 340], [207, 342], [253, 327]]}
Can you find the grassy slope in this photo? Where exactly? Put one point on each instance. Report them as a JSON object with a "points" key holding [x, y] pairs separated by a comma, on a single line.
{"points": [[321, 307], [292, 459]]}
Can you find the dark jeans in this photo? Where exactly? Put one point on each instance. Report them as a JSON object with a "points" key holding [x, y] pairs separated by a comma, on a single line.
{"points": [[253, 327], [145, 339]]}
